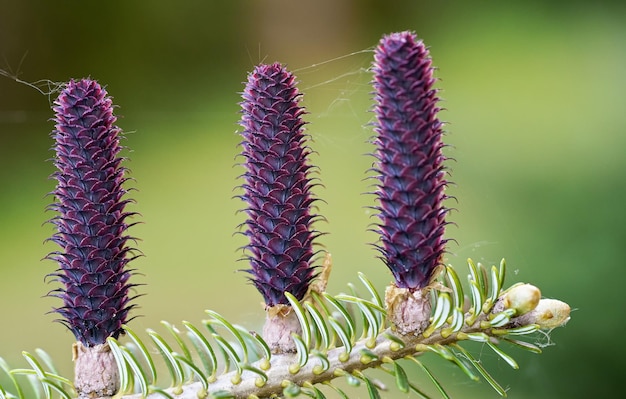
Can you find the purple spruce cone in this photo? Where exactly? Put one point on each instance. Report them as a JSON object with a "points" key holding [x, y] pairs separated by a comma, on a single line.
{"points": [[409, 164], [277, 186], [91, 226]]}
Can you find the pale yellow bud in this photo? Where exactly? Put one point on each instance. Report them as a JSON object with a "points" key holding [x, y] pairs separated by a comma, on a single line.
{"points": [[523, 298], [550, 313]]}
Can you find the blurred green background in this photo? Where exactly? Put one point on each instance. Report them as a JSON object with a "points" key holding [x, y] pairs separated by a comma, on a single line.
{"points": [[534, 97]]}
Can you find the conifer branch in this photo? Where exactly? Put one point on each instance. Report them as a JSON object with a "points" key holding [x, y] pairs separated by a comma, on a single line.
{"points": [[362, 358], [512, 313]]}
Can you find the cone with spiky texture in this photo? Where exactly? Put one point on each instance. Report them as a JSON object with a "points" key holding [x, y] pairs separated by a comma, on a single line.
{"points": [[277, 190], [410, 173], [91, 231]]}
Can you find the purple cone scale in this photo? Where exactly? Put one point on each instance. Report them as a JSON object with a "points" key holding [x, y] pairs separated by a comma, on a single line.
{"points": [[277, 187], [91, 220], [409, 167]]}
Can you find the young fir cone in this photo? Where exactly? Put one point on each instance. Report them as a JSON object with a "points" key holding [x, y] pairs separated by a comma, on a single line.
{"points": [[91, 231], [410, 174], [277, 191]]}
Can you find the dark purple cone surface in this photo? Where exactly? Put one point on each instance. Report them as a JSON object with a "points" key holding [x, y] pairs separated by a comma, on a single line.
{"points": [[277, 188], [91, 227], [409, 164]]}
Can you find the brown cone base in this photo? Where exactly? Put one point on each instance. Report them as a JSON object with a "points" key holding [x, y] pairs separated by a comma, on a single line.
{"points": [[280, 323], [409, 312], [96, 372]]}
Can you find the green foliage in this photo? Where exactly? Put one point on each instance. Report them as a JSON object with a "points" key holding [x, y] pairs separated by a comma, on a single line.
{"points": [[342, 336], [39, 381]]}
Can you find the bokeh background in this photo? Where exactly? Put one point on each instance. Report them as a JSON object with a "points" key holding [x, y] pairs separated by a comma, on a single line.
{"points": [[534, 97]]}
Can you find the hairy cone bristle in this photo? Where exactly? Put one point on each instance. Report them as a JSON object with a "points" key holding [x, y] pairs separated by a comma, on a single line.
{"points": [[91, 221], [277, 186], [409, 165]]}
